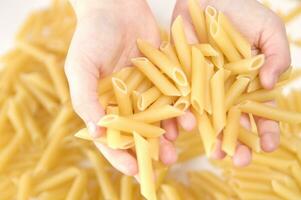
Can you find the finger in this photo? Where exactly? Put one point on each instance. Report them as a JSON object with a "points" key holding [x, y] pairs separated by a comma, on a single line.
{"points": [[269, 134], [218, 153], [83, 75], [187, 121], [181, 8], [119, 159], [274, 45], [168, 154], [170, 126], [242, 156]]}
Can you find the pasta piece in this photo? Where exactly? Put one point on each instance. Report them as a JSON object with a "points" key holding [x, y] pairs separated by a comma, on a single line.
{"points": [[284, 191], [198, 81], [253, 124], [15, 116], [254, 85], [241, 44], [133, 81], [145, 167], [270, 112], [104, 181], [155, 76], [78, 187], [145, 85], [147, 98], [57, 179], [208, 97], [170, 192], [198, 20], [169, 50], [161, 101], [236, 89], [181, 44], [173, 71], [295, 12], [105, 98], [113, 136], [105, 84], [135, 96], [126, 188], [231, 131], [223, 42], [218, 104], [154, 147], [182, 103], [122, 96], [262, 95], [296, 173], [24, 186], [249, 139], [158, 114], [207, 133], [207, 50], [129, 125], [246, 65]]}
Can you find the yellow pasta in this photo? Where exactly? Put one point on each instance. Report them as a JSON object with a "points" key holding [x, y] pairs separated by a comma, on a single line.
{"points": [[241, 44], [169, 50], [145, 167], [236, 89], [122, 97], [284, 191], [208, 97], [113, 136], [154, 145], [262, 95], [147, 98], [24, 186], [133, 80], [250, 139], [181, 44], [207, 50], [182, 103], [231, 131], [162, 100], [158, 114], [78, 187], [207, 133], [254, 85], [155, 76], [129, 125], [126, 188], [198, 20], [161, 60], [170, 192], [218, 104], [198, 80], [246, 65], [270, 112], [145, 85]]}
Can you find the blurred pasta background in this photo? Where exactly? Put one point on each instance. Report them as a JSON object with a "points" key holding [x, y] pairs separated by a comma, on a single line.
{"points": [[40, 157]]}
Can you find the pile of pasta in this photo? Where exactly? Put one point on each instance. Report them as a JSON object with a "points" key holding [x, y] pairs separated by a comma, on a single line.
{"points": [[216, 79]]}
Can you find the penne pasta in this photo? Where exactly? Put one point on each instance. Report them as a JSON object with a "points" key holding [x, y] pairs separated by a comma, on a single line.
{"points": [[222, 40], [156, 77], [284, 191], [129, 126], [249, 138], [246, 65], [158, 114], [207, 50], [122, 96], [170, 192], [154, 146], [147, 98], [270, 112], [126, 188], [162, 101], [198, 79], [145, 167], [235, 91], [231, 131], [25, 185], [240, 42], [181, 45], [198, 20], [182, 103], [218, 104], [169, 50], [113, 136], [78, 187], [262, 95], [173, 71], [208, 97], [133, 81]]}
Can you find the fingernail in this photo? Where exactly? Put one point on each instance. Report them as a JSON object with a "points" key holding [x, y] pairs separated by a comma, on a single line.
{"points": [[92, 128]]}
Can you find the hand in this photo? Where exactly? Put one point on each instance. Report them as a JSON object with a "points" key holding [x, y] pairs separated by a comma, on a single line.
{"points": [[105, 41], [265, 31]]}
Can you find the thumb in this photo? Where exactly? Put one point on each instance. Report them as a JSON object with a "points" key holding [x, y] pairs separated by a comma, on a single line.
{"points": [[83, 75], [275, 47]]}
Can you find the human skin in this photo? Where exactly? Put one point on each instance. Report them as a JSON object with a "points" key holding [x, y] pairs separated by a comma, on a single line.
{"points": [[104, 41], [267, 34]]}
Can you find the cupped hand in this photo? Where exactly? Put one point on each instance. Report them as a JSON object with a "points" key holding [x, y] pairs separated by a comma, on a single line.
{"points": [[104, 42], [267, 34]]}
